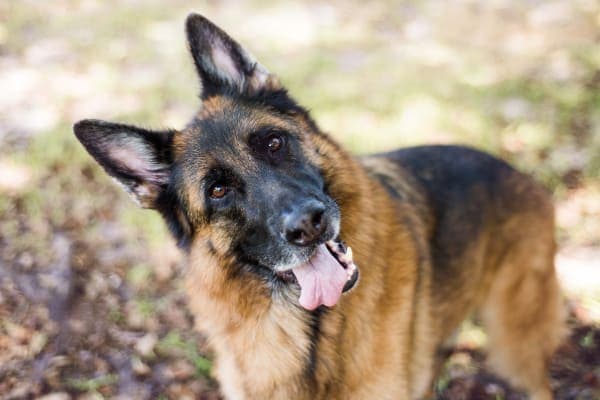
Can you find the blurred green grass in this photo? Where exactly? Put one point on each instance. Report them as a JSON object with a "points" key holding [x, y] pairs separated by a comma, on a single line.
{"points": [[521, 80], [369, 79], [173, 342]]}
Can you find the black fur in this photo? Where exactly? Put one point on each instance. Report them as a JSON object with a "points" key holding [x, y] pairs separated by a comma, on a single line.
{"points": [[314, 337], [459, 184]]}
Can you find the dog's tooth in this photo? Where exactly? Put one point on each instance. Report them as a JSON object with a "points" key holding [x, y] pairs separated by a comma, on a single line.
{"points": [[349, 252]]}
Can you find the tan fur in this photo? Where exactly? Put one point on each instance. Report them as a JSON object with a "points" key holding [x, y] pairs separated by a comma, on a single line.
{"points": [[381, 341]]}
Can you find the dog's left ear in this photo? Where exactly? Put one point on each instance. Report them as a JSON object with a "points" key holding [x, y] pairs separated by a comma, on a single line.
{"points": [[222, 63], [139, 159]]}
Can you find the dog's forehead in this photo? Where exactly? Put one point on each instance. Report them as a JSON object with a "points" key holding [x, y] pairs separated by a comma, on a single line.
{"points": [[220, 131]]}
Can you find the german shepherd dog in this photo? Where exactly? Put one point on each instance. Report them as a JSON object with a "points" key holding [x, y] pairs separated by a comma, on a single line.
{"points": [[266, 208]]}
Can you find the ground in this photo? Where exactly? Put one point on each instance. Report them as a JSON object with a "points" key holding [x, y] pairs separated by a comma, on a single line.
{"points": [[122, 329], [91, 304]]}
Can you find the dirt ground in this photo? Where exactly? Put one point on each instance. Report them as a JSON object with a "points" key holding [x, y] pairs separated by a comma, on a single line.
{"points": [[91, 304], [78, 323]]}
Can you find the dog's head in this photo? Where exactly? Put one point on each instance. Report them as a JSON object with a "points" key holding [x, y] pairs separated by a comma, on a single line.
{"points": [[246, 174]]}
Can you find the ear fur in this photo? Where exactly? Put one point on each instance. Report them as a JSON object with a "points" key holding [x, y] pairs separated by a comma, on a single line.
{"points": [[224, 65], [138, 159], [142, 162]]}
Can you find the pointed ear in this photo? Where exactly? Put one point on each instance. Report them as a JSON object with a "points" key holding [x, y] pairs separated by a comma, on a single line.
{"points": [[224, 65], [137, 158]]}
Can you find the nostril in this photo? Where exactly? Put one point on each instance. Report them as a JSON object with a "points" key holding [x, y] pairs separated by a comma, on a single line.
{"points": [[317, 220], [296, 236]]}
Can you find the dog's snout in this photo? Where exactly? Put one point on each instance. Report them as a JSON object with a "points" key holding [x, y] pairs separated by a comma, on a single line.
{"points": [[305, 225]]}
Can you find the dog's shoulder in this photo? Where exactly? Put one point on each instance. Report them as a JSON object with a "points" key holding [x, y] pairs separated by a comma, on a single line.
{"points": [[450, 176]]}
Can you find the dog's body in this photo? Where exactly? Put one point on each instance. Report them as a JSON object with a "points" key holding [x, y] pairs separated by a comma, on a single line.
{"points": [[252, 190]]}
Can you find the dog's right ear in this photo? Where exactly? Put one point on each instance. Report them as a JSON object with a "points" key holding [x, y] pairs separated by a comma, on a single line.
{"points": [[222, 63], [137, 158]]}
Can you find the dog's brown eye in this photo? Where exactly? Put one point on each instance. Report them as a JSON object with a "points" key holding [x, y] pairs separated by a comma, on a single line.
{"points": [[218, 191], [274, 143], [270, 146]]}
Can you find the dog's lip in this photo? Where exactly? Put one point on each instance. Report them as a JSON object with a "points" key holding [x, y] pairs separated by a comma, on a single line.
{"points": [[286, 276], [343, 255], [350, 283]]}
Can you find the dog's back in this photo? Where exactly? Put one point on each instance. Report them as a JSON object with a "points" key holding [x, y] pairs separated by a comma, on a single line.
{"points": [[490, 240]]}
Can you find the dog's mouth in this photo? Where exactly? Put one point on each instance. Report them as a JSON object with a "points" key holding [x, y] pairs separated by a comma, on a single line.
{"points": [[325, 276]]}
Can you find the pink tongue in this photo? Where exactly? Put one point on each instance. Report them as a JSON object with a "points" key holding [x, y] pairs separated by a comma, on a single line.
{"points": [[321, 280]]}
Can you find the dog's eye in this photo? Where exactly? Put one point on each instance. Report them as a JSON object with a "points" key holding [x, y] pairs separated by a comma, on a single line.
{"points": [[269, 146], [274, 143], [218, 191]]}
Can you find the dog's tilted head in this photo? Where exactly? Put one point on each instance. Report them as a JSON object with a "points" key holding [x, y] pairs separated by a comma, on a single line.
{"points": [[246, 174]]}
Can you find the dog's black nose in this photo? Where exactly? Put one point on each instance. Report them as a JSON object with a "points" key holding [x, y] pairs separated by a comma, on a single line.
{"points": [[305, 225]]}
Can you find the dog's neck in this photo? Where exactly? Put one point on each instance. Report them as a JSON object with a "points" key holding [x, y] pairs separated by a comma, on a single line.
{"points": [[258, 337]]}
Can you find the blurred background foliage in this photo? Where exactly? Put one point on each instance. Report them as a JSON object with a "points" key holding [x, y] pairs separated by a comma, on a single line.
{"points": [[520, 79]]}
